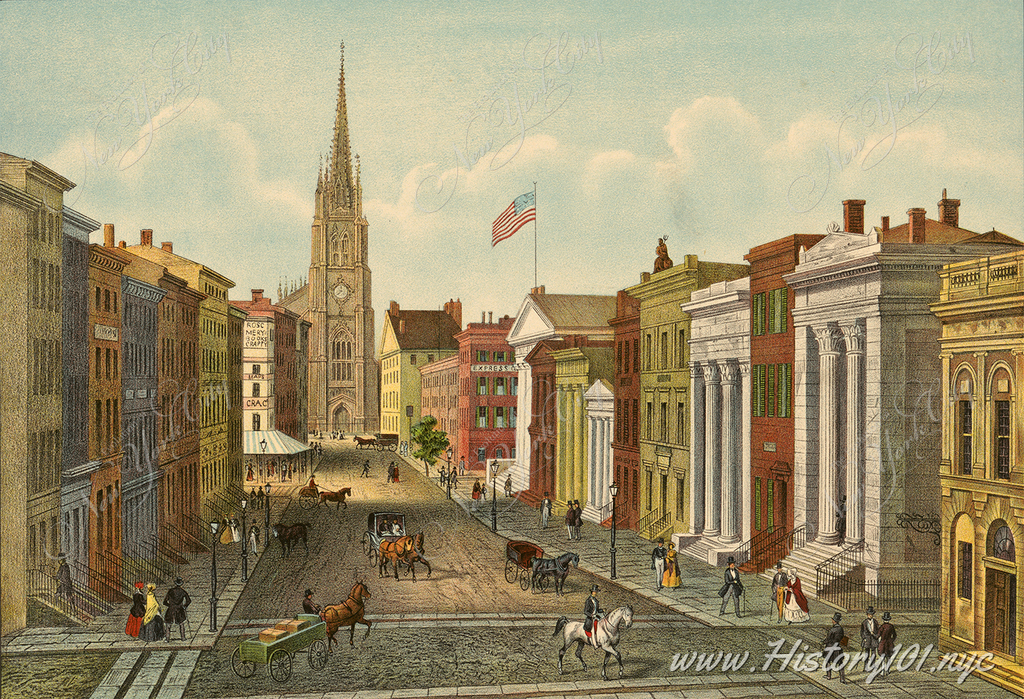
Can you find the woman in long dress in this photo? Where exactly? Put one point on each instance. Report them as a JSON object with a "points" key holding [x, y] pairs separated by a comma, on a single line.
{"points": [[152, 623], [670, 578], [796, 602], [136, 613]]}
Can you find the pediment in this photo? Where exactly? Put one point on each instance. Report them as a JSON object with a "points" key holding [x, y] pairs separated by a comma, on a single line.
{"points": [[839, 244], [388, 339], [531, 325]]}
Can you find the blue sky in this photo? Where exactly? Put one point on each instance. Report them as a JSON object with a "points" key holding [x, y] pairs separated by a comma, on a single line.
{"points": [[719, 125]]}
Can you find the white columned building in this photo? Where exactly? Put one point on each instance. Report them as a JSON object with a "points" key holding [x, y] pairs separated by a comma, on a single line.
{"points": [[719, 420], [600, 411]]}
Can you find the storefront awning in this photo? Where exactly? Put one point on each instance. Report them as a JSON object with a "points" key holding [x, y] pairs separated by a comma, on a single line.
{"points": [[277, 443]]}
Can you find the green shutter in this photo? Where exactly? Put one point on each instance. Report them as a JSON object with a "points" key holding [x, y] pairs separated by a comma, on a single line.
{"points": [[770, 512], [757, 504], [771, 390]]}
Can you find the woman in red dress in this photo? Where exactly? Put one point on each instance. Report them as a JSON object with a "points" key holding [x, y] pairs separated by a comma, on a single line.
{"points": [[138, 610]]}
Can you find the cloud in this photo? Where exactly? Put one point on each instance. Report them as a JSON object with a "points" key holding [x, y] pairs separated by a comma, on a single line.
{"points": [[604, 165]]}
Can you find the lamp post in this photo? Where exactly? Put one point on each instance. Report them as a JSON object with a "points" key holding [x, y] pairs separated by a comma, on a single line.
{"points": [[263, 447], [245, 545], [614, 490], [448, 475], [214, 526], [266, 530], [494, 496]]}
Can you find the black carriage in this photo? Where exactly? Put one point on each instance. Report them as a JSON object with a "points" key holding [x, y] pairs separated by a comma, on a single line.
{"points": [[386, 441], [519, 557], [381, 526]]}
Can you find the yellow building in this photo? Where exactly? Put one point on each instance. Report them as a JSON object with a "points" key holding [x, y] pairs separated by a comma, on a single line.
{"points": [[665, 389], [31, 211], [409, 340], [981, 307]]}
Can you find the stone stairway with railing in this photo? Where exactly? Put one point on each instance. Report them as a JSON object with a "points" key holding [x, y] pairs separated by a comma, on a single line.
{"points": [[807, 560]]}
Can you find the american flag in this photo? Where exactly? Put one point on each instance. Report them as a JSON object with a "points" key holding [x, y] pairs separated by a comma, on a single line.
{"points": [[519, 212]]}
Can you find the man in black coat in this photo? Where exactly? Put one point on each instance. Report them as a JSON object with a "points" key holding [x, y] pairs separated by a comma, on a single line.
{"points": [[733, 588], [833, 652], [308, 605], [592, 612], [64, 586], [779, 588], [176, 601], [658, 559]]}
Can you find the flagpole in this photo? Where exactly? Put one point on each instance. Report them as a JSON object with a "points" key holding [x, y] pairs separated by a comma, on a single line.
{"points": [[535, 234]]}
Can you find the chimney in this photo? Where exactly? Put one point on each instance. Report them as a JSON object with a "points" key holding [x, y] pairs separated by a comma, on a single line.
{"points": [[146, 236], [885, 223], [483, 316], [108, 235], [490, 317], [949, 211], [537, 289], [916, 225], [454, 309], [394, 308], [166, 246], [123, 245], [853, 216], [257, 295]]}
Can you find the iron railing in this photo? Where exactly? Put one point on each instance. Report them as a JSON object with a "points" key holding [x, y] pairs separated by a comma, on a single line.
{"points": [[101, 585], [766, 548], [845, 565], [852, 591], [644, 526]]}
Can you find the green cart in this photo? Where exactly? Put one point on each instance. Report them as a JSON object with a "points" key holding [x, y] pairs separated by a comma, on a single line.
{"points": [[278, 655]]}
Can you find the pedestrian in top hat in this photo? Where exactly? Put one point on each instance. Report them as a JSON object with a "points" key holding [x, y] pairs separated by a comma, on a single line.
{"points": [[732, 588], [834, 653], [886, 641], [176, 601], [577, 519], [366, 469], [64, 586], [779, 588], [570, 519], [592, 611], [545, 510], [658, 559], [869, 631]]}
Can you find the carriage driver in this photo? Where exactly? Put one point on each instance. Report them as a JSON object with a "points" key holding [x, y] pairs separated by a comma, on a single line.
{"points": [[592, 611], [313, 486], [308, 605]]}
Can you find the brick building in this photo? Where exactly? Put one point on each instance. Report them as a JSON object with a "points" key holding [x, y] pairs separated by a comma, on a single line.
{"points": [[440, 397], [626, 444]]}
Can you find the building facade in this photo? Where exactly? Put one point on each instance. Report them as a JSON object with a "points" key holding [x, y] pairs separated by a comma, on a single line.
{"points": [[665, 389], [981, 307], [440, 397], [720, 413], [343, 376], [626, 441], [410, 340], [488, 395]]}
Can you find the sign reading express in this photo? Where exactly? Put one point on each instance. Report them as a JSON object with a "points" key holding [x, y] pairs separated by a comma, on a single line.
{"points": [[497, 367], [256, 336]]}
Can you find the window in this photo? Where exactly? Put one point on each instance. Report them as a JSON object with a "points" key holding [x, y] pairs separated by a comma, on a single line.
{"points": [[770, 510], [430, 358], [785, 379], [647, 352], [965, 569], [1002, 439], [499, 357], [618, 357], [255, 390], [512, 423], [106, 300], [499, 453], [650, 419], [625, 357], [770, 369], [412, 359], [481, 417], [664, 350], [481, 355], [777, 310], [481, 386], [680, 423], [680, 350], [680, 499], [499, 386], [636, 355], [966, 428], [257, 369], [636, 421], [758, 377], [1002, 544], [757, 503], [499, 418], [256, 422], [514, 386], [481, 455], [757, 314]]}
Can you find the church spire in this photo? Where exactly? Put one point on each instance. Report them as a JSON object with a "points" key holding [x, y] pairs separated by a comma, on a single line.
{"points": [[341, 158]]}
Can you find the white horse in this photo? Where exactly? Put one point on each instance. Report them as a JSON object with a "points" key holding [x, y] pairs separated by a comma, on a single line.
{"points": [[606, 631]]}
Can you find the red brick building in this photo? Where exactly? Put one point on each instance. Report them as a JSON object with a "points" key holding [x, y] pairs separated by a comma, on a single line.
{"points": [[625, 443], [440, 397], [488, 389], [772, 348]]}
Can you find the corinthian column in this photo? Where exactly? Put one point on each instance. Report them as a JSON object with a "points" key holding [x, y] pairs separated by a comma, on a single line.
{"points": [[712, 451], [854, 335], [697, 467], [730, 440], [829, 346]]}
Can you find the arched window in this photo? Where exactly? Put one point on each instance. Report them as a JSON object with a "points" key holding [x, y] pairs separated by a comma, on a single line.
{"points": [[1001, 542], [1001, 408], [964, 428]]}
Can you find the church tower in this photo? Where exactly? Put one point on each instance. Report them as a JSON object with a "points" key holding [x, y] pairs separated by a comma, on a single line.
{"points": [[336, 300]]}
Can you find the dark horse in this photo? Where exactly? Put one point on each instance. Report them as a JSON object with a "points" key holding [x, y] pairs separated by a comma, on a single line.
{"points": [[407, 550], [338, 497], [289, 536], [348, 614], [558, 568]]}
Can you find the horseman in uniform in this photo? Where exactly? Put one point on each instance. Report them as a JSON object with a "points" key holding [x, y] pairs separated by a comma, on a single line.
{"points": [[592, 611]]}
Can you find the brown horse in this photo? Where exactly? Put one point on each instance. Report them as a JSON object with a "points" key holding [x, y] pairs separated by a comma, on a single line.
{"points": [[348, 614], [289, 536], [338, 497], [407, 549]]}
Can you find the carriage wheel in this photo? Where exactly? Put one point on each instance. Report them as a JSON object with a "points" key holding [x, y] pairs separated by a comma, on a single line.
{"points": [[380, 447], [242, 668], [367, 544], [374, 557], [511, 571], [392, 447], [524, 579], [542, 583], [280, 665], [318, 654], [307, 501]]}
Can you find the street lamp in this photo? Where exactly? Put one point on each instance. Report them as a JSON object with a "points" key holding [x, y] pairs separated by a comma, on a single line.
{"points": [[448, 476], [614, 490], [494, 496], [266, 530], [214, 526], [245, 544], [263, 447]]}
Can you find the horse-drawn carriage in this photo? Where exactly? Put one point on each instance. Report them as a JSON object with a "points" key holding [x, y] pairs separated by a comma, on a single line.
{"points": [[380, 442], [519, 557], [382, 526], [278, 655], [310, 496]]}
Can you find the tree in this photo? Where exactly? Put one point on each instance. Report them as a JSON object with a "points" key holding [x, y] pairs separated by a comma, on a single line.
{"points": [[432, 442]]}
